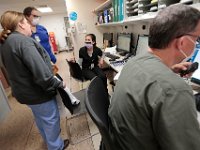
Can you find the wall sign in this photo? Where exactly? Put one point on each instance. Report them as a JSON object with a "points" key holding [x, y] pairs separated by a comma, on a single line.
{"points": [[73, 16]]}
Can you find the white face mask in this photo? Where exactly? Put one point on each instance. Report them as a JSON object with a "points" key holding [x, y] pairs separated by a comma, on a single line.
{"points": [[35, 21]]}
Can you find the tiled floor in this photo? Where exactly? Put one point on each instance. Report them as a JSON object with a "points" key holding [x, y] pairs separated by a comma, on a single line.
{"points": [[19, 132]]}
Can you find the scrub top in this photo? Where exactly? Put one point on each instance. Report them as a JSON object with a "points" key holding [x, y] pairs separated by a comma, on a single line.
{"points": [[41, 35]]}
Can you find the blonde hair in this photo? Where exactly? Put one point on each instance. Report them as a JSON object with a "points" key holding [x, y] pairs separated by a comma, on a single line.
{"points": [[10, 19]]}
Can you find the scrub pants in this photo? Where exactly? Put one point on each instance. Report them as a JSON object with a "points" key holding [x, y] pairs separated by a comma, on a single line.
{"points": [[47, 119]]}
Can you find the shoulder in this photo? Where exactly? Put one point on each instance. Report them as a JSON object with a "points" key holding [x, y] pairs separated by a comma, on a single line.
{"points": [[40, 27], [152, 70], [98, 50], [82, 49], [19, 38]]}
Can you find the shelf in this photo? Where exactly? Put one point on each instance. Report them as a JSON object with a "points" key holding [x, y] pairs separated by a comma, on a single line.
{"points": [[147, 17], [131, 2], [142, 18], [103, 6], [110, 24]]}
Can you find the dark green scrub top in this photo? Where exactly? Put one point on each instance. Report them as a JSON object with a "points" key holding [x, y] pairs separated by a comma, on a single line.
{"points": [[153, 108]]}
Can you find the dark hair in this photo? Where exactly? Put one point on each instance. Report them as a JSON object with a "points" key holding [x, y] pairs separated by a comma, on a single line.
{"points": [[172, 22], [93, 37], [27, 11]]}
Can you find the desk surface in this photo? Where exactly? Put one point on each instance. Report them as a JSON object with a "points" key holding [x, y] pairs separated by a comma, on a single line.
{"points": [[116, 65]]}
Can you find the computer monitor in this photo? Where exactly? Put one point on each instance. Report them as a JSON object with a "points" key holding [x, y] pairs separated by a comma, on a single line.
{"points": [[124, 43], [196, 75], [108, 39], [142, 44]]}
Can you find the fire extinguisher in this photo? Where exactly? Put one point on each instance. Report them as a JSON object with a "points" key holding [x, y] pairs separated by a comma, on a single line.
{"points": [[53, 42]]}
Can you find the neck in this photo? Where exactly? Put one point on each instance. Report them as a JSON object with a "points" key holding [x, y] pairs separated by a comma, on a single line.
{"points": [[20, 31], [33, 28], [90, 49], [167, 56]]}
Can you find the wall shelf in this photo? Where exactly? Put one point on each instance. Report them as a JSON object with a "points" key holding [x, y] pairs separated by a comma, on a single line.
{"points": [[147, 17], [110, 24]]}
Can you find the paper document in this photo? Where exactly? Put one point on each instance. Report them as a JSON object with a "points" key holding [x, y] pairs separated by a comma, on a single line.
{"points": [[117, 76], [111, 50]]}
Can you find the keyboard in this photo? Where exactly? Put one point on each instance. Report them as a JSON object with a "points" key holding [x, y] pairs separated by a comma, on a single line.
{"points": [[112, 56]]}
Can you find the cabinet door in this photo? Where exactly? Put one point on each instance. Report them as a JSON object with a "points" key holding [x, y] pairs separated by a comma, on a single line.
{"points": [[4, 106], [3, 79]]}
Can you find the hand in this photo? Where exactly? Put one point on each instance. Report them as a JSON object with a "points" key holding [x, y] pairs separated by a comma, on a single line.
{"points": [[181, 66], [100, 63], [72, 60], [3, 35], [54, 68]]}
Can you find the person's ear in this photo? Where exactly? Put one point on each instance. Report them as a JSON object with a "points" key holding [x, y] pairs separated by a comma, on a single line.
{"points": [[21, 25], [180, 43]]}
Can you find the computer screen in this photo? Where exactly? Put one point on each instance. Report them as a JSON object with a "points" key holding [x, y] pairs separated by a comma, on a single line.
{"points": [[196, 75], [142, 44], [107, 39], [124, 43]]}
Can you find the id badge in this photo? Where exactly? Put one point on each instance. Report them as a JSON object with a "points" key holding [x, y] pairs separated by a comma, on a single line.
{"points": [[37, 38], [92, 65]]}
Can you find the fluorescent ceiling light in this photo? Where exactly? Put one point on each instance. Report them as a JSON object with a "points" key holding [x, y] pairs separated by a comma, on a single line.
{"points": [[45, 9]]}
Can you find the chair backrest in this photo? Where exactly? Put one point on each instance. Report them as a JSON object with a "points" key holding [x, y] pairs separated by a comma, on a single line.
{"points": [[97, 103], [75, 70]]}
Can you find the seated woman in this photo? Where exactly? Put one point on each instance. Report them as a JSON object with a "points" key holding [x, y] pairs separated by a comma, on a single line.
{"points": [[91, 59]]}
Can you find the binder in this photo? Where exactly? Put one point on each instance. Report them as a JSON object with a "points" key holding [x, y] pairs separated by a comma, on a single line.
{"points": [[120, 10], [106, 14], [115, 6]]}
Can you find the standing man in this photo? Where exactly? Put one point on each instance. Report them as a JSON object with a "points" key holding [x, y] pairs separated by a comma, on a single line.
{"points": [[39, 33], [152, 107]]}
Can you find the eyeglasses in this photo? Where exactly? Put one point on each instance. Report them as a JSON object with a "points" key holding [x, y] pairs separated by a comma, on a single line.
{"points": [[35, 16], [198, 37]]}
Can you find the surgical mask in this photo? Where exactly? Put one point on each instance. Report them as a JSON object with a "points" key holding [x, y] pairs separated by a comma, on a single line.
{"points": [[35, 21], [88, 45], [187, 57]]}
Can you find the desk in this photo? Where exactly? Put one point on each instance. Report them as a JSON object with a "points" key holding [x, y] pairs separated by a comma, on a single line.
{"points": [[117, 66]]}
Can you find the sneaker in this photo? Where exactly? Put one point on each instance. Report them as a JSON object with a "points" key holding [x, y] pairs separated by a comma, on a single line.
{"points": [[66, 143]]}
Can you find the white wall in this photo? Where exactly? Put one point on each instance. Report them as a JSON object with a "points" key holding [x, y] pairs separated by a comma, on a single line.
{"points": [[55, 23], [84, 8]]}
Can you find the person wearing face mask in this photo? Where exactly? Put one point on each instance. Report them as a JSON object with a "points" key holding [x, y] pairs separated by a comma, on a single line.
{"points": [[91, 59], [39, 33], [152, 107], [31, 77]]}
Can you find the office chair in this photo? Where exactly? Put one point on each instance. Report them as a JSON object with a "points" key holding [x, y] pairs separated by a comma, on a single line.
{"points": [[97, 103], [75, 72]]}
